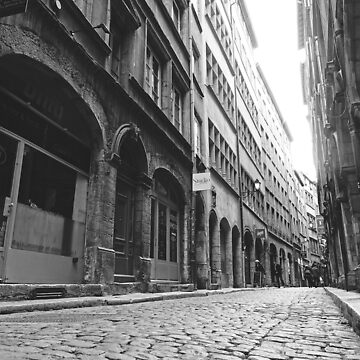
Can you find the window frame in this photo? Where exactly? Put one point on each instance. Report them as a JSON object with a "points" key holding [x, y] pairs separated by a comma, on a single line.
{"points": [[176, 107], [152, 58]]}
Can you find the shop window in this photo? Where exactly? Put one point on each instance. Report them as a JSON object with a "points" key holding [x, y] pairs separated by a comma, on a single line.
{"points": [[164, 232], [68, 138], [52, 197]]}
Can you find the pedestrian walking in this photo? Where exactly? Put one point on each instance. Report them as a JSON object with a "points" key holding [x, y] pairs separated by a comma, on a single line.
{"points": [[259, 273], [278, 275], [315, 274], [308, 276]]}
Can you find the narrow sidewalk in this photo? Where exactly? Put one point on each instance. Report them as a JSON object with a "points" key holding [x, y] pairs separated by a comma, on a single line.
{"points": [[349, 304]]}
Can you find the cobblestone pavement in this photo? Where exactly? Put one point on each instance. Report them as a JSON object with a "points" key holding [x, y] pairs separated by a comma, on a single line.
{"points": [[286, 323]]}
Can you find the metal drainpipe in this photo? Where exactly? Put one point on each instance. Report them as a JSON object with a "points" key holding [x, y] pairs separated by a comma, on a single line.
{"points": [[193, 196], [238, 151]]}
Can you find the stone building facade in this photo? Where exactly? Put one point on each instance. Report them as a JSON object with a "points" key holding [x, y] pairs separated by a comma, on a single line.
{"points": [[108, 108], [330, 35], [95, 142]]}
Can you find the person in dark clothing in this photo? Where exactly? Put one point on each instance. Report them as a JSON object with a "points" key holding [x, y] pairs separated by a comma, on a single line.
{"points": [[278, 275], [308, 276], [261, 271], [259, 267], [315, 274]]}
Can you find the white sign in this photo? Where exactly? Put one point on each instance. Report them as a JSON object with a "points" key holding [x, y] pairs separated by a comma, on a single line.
{"points": [[201, 181]]}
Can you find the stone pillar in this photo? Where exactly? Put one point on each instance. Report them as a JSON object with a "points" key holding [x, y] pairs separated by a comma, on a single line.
{"points": [[185, 261], [216, 259], [99, 253], [142, 224], [229, 258]]}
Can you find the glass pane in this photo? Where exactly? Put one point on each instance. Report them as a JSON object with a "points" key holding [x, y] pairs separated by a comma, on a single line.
{"points": [[173, 235], [162, 232], [45, 206], [61, 142], [47, 184]]}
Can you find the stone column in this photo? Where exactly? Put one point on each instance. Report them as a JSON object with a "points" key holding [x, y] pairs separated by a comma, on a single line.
{"points": [[99, 253]]}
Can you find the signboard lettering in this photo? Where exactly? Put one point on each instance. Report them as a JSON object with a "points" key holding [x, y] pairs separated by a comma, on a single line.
{"points": [[201, 181], [11, 7]]}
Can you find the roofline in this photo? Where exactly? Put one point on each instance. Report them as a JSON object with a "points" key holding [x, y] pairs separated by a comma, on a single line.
{"points": [[245, 14], [299, 177], [283, 122]]}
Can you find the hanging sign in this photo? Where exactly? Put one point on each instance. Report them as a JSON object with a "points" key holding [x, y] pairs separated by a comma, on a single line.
{"points": [[201, 181], [260, 234], [11, 7]]}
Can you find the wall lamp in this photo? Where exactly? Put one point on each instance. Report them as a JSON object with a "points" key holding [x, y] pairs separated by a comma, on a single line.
{"points": [[257, 185]]}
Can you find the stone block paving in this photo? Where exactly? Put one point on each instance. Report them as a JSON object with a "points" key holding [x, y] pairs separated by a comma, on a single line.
{"points": [[286, 323]]}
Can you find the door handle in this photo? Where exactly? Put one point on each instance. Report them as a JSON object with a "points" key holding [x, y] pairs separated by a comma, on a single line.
{"points": [[8, 205]]}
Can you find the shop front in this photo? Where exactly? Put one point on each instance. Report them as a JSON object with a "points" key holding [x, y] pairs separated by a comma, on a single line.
{"points": [[44, 170]]}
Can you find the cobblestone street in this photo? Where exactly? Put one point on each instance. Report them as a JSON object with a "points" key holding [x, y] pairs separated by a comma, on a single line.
{"points": [[286, 323]]}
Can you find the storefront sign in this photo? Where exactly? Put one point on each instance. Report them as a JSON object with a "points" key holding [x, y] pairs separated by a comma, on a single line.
{"points": [[201, 181], [260, 234], [11, 7]]}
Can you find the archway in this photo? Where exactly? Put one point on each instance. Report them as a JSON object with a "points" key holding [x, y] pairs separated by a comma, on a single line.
{"points": [[214, 248], [273, 260], [200, 243], [248, 246], [54, 135], [283, 264], [167, 219], [129, 203], [236, 255], [225, 254]]}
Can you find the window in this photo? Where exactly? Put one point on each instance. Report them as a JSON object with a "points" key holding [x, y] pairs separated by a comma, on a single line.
{"points": [[177, 108], [116, 48], [153, 75], [176, 16], [197, 135]]}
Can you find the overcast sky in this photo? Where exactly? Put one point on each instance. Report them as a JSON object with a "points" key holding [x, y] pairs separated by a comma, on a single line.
{"points": [[275, 26]]}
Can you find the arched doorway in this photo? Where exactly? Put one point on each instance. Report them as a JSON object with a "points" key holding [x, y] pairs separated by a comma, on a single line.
{"points": [[236, 255], [167, 218], [283, 264], [273, 260], [200, 243], [48, 136], [248, 246], [225, 254], [131, 167], [214, 248]]}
